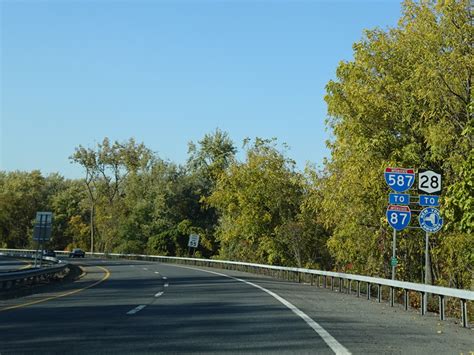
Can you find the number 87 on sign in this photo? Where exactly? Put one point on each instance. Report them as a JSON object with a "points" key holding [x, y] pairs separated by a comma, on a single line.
{"points": [[398, 217]]}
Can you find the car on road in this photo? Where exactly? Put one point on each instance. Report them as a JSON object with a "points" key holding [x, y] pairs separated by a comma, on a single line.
{"points": [[50, 253], [77, 253]]}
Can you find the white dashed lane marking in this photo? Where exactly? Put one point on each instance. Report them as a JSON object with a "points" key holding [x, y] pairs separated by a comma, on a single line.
{"points": [[136, 309]]}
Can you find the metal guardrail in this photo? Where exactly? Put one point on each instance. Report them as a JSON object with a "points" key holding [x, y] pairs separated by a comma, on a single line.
{"points": [[345, 281], [10, 279]]}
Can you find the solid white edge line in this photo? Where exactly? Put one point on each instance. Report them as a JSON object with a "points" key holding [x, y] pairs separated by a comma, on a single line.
{"points": [[136, 309], [335, 346]]}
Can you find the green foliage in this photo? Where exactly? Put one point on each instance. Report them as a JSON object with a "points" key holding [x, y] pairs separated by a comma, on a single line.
{"points": [[259, 204], [21, 196], [405, 100]]}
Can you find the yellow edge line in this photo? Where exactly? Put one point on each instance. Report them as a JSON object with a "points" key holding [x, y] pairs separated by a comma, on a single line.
{"points": [[27, 266], [84, 272], [106, 276]]}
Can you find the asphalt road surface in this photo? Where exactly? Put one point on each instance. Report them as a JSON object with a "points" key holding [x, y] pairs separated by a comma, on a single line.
{"points": [[145, 307], [12, 264]]}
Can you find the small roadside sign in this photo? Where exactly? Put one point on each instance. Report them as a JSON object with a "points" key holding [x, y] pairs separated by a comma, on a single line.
{"points": [[428, 201], [429, 182], [193, 241], [393, 261], [398, 217], [399, 199], [430, 220], [42, 228], [399, 179]]}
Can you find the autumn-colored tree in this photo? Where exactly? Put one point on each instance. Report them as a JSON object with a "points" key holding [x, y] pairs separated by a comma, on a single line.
{"points": [[403, 101]]}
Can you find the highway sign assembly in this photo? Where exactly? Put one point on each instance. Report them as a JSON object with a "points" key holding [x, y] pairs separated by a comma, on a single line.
{"points": [[429, 182], [430, 220], [193, 241], [399, 179], [42, 228], [398, 216], [42, 233], [399, 199]]}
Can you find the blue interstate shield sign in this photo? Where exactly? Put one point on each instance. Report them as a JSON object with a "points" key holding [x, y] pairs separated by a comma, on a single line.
{"points": [[399, 179], [430, 220], [398, 217]]}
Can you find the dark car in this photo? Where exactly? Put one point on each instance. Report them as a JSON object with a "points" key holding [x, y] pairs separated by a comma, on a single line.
{"points": [[50, 253], [77, 253]]}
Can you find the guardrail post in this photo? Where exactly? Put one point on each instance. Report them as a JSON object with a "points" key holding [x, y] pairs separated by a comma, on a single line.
{"points": [[379, 294], [332, 283], [350, 287], [422, 308], [325, 281], [358, 288], [406, 298], [392, 296], [312, 279], [464, 319], [441, 307], [299, 276], [340, 284], [368, 290]]}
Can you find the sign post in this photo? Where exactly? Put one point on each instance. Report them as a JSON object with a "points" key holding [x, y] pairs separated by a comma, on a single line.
{"points": [[430, 218], [398, 217], [398, 212]]}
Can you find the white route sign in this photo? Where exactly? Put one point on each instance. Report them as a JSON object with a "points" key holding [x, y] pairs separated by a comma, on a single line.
{"points": [[193, 241], [429, 182]]}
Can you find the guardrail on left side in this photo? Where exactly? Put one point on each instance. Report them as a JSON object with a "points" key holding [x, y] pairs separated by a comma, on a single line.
{"points": [[13, 279]]}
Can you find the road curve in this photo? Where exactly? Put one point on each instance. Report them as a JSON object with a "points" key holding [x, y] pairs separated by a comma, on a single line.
{"points": [[144, 307]]}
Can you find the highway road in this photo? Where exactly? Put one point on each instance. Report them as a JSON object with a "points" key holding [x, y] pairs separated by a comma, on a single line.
{"points": [[11, 264], [121, 306]]}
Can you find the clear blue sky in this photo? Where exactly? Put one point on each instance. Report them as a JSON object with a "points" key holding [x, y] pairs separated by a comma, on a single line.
{"points": [[167, 72]]}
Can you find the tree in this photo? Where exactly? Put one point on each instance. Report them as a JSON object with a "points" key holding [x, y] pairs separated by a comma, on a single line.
{"points": [[213, 154], [106, 169], [403, 101], [254, 199], [21, 196]]}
